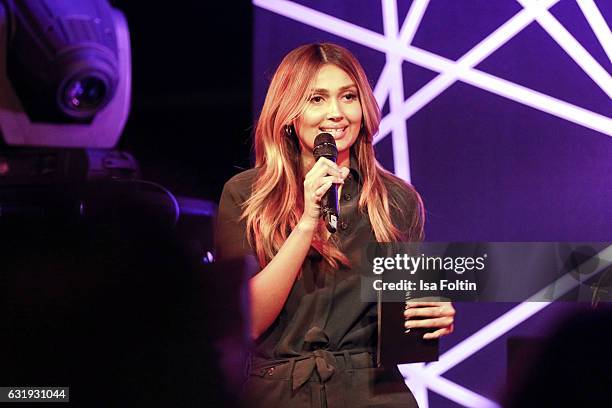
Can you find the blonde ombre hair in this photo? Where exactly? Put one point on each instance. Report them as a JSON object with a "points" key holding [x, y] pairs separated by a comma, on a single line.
{"points": [[276, 203]]}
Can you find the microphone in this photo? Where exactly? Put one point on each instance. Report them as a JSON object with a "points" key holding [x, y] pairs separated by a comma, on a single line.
{"points": [[325, 146]]}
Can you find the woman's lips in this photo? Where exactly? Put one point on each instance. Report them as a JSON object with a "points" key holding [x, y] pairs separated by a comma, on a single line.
{"points": [[335, 132]]}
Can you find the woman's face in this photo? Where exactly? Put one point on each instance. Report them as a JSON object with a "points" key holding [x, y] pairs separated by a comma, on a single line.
{"points": [[334, 108]]}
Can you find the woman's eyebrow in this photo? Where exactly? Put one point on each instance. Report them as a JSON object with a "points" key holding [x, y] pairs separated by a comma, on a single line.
{"points": [[324, 91]]}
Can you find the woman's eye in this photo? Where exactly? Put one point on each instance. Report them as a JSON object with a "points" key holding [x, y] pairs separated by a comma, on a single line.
{"points": [[350, 96], [316, 99]]}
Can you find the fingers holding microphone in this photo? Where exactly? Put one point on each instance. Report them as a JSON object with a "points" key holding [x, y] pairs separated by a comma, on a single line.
{"points": [[317, 181]]}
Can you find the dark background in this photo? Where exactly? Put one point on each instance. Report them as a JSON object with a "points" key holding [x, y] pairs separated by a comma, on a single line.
{"points": [[190, 120]]}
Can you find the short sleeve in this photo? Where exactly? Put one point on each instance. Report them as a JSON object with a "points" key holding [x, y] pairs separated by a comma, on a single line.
{"points": [[231, 244]]}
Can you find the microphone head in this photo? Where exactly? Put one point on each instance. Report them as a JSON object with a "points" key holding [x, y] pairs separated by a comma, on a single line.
{"points": [[325, 146]]}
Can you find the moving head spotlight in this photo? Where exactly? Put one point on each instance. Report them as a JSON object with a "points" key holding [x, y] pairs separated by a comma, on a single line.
{"points": [[64, 73], [65, 83]]}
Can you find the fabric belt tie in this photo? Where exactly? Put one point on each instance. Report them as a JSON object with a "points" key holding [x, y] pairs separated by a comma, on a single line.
{"points": [[329, 389], [322, 360]]}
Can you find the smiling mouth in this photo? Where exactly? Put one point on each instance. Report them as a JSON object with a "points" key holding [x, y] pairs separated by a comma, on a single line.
{"points": [[335, 132]]}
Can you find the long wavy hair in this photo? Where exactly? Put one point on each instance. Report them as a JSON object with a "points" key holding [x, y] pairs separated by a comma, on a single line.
{"points": [[276, 203]]}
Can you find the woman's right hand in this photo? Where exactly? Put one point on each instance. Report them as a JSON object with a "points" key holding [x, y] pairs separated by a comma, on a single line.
{"points": [[316, 183]]}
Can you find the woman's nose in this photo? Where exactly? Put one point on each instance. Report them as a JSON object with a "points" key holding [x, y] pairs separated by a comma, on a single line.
{"points": [[334, 111]]}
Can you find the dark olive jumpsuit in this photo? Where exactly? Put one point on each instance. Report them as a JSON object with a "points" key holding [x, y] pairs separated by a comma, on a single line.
{"points": [[321, 350]]}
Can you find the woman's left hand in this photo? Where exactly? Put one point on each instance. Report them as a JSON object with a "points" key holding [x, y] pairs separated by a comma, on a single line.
{"points": [[440, 315]]}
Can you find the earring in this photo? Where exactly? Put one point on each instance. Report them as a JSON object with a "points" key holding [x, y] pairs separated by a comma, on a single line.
{"points": [[289, 130]]}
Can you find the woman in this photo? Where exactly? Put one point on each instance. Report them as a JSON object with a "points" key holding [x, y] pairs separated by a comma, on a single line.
{"points": [[315, 340]]}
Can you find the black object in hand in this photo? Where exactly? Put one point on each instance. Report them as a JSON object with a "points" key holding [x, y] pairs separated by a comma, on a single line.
{"points": [[325, 146]]}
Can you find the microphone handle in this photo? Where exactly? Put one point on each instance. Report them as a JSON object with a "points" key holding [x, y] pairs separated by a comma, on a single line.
{"points": [[329, 206]]}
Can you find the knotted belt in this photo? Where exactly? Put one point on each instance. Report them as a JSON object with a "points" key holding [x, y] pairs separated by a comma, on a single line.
{"points": [[325, 363], [322, 360]]}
